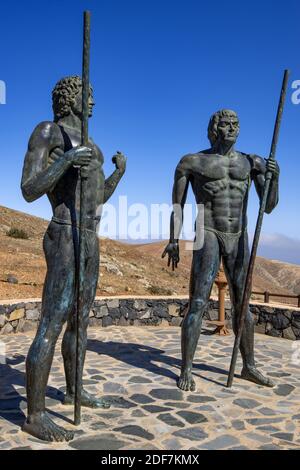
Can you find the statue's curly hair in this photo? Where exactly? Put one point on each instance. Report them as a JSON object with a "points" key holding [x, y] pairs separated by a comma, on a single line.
{"points": [[212, 130], [63, 95]]}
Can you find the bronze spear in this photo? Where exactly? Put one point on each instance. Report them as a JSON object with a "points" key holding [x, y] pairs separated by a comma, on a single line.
{"points": [[83, 183], [248, 282]]}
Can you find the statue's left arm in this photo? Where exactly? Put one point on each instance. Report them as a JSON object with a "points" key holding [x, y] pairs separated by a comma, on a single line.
{"points": [[113, 180], [259, 169]]}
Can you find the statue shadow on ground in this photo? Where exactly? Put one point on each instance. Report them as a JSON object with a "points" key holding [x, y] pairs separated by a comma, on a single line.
{"points": [[145, 357], [11, 401]]}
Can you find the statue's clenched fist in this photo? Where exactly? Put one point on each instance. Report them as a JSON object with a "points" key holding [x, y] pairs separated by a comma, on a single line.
{"points": [[120, 161]]}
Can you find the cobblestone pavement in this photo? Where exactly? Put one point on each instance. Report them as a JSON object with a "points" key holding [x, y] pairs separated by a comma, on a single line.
{"points": [[136, 369]]}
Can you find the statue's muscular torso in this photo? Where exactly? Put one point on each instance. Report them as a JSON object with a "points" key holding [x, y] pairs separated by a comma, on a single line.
{"points": [[221, 184], [65, 197], [47, 145]]}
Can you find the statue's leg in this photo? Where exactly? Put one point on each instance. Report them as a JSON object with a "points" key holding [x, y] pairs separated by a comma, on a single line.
{"points": [[56, 304], [235, 266], [205, 266], [69, 339]]}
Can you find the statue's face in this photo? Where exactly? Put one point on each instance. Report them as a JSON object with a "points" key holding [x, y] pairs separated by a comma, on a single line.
{"points": [[228, 129], [77, 106]]}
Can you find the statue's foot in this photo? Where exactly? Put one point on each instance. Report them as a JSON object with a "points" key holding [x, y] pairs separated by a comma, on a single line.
{"points": [[252, 374], [186, 382], [41, 426], [87, 400]]}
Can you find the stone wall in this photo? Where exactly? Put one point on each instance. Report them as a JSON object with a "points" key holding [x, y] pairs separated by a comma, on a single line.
{"points": [[22, 316]]}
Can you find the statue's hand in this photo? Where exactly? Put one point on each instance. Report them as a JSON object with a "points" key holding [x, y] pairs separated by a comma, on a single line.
{"points": [[79, 155], [272, 167], [172, 250], [120, 161]]}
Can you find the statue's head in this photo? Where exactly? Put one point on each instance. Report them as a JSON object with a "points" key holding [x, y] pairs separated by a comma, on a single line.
{"points": [[223, 126], [67, 98]]}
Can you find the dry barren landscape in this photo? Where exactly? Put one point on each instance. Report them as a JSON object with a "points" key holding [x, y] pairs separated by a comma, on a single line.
{"points": [[124, 268]]}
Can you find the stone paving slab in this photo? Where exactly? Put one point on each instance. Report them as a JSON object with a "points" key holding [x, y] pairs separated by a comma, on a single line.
{"points": [[136, 369]]}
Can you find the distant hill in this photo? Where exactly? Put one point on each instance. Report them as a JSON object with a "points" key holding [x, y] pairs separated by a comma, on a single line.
{"points": [[124, 268], [274, 276]]}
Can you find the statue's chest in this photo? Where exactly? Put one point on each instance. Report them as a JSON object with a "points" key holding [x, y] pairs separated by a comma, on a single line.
{"points": [[95, 171], [215, 167]]}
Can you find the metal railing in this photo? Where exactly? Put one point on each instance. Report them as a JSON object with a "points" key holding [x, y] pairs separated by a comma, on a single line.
{"points": [[266, 295]]}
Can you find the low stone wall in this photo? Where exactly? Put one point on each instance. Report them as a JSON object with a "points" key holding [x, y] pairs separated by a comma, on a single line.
{"points": [[22, 316]]}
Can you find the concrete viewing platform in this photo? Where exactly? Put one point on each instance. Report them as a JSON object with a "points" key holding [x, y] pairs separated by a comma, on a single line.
{"points": [[136, 370]]}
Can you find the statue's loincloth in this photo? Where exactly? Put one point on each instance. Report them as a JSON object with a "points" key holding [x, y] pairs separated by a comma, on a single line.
{"points": [[91, 240], [227, 241], [90, 223]]}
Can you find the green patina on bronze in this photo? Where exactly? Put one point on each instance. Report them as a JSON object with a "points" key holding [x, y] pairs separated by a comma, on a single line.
{"points": [[220, 178], [56, 164]]}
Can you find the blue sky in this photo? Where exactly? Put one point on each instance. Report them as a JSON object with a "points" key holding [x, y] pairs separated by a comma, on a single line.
{"points": [[159, 70]]}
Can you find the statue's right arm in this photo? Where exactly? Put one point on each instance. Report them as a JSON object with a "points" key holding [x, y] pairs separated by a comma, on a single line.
{"points": [[179, 194], [180, 188], [39, 176]]}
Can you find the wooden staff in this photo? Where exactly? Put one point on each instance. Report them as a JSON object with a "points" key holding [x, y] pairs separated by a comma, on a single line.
{"points": [[248, 283], [83, 183]]}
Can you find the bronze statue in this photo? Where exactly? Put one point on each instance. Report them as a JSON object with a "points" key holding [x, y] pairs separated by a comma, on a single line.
{"points": [[54, 163], [220, 178]]}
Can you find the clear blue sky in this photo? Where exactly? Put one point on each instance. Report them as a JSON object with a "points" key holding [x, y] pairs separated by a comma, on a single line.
{"points": [[159, 70]]}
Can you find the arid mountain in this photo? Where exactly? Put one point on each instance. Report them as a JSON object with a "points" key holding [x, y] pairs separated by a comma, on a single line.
{"points": [[124, 268]]}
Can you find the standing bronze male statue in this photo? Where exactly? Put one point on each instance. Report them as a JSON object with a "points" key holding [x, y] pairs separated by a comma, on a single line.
{"points": [[220, 178], [51, 167]]}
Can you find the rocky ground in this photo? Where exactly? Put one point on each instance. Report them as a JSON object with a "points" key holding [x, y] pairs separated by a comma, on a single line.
{"points": [[136, 369]]}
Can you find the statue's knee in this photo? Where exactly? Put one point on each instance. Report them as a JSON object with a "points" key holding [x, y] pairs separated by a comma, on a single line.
{"points": [[249, 319], [71, 328], [197, 305], [195, 313], [57, 322], [32, 357], [236, 315], [41, 349], [85, 321]]}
